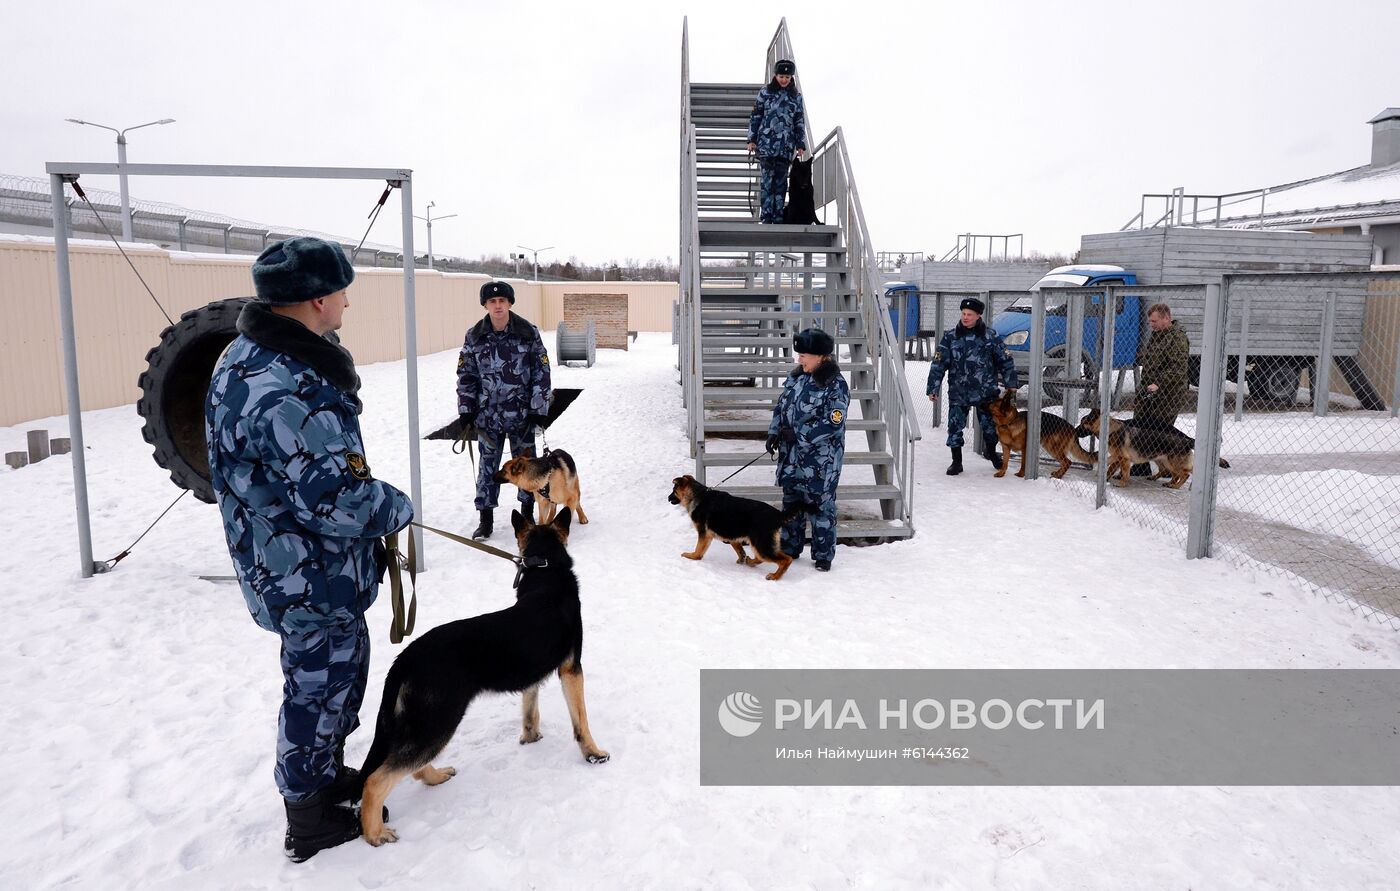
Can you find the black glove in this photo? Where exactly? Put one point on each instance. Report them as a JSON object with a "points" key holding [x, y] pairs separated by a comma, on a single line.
{"points": [[772, 444], [787, 434], [536, 421], [381, 559]]}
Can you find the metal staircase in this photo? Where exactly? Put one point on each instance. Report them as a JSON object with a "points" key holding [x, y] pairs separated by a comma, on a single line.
{"points": [[747, 288]]}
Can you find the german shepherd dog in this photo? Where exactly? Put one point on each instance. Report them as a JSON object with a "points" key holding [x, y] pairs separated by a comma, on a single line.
{"points": [[735, 521], [1056, 436], [553, 479], [436, 677], [1130, 444], [801, 206]]}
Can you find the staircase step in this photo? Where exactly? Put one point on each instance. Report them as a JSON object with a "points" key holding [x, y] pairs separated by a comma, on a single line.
{"points": [[742, 341], [709, 173], [774, 495], [736, 157], [712, 131], [760, 425], [872, 528], [724, 141], [767, 369], [739, 459], [720, 394], [721, 185], [793, 292], [708, 315], [741, 271]]}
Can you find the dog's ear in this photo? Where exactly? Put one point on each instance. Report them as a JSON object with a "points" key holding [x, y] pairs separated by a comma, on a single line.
{"points": [[562, 519], [518, 521]]}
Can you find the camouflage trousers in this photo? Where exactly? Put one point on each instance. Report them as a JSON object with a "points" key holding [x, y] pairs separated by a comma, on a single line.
{"points": [[492, 442], [823, 526], [324, 673], [772, 188], [957, 419]]}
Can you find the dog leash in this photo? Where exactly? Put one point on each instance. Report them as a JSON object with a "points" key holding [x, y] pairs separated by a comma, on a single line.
{"points": [[741, 469]]}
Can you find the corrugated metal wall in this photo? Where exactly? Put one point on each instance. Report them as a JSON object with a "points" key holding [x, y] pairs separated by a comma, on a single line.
{"points": [[116, 321]]}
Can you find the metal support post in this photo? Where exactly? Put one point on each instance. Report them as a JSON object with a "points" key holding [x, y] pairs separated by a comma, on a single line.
{"points": [[1107, 330], [410, 337], [1200, 529], [70, 378], [1036, 395], [1323, 371], [1242, 359]]}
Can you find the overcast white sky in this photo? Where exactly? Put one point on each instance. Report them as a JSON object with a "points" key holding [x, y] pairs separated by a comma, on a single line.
{"points": [[557, 123]]}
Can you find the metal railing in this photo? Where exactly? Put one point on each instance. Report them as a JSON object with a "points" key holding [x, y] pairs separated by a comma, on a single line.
{"points": [[966, 248], [1180, 209], [834, 182]]}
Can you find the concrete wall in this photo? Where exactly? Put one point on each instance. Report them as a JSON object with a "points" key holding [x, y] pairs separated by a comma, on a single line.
{"points": [[117, 322]]}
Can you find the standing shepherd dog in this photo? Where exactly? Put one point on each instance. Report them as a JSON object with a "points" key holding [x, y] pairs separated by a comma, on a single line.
{"points": [[553, 479], [1056, 436], [735, 521], [436, 677], [1130, 444], [801, 206]]}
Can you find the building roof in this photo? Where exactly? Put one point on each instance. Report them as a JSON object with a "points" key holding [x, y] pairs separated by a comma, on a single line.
{"points": [[1350, 195], [1385, 115]]}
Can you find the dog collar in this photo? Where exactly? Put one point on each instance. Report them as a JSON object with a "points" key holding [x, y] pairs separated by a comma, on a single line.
{"points": [[524, 563]]}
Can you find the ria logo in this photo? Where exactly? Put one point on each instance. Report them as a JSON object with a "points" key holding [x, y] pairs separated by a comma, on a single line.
{"points": [[740, 714]]}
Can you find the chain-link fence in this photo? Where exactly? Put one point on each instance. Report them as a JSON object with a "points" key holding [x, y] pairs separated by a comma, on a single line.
{"points": [[1312, 434], [1303, 399]]}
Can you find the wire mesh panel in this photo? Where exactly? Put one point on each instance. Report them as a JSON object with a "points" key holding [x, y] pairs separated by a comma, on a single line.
{"points": [[1312, 435]]}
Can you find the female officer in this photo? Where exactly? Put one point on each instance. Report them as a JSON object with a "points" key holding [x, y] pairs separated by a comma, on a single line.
{"points": [[808, 435], [777, 128]]}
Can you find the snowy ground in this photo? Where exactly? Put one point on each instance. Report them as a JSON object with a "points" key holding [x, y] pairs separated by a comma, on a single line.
{"points": [[139, 707]]}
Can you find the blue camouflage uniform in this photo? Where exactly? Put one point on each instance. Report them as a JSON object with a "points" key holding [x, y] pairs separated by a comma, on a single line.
{"points": [[814, 406], [302, 516], [973, 358], [778, 128], [502, 381]]}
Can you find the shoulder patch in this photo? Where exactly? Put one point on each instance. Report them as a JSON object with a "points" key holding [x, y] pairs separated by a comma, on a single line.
{"points": [[356, 463], [461, 362], [544, 358], [937, 354], [836, 416]]}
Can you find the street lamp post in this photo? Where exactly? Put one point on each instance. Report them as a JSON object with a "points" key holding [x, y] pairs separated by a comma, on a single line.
{"points": [[429, 220], [121, 163], [536, 252]]}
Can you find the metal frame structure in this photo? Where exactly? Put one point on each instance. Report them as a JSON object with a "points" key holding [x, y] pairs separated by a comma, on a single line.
{"points": [[61, 172]]}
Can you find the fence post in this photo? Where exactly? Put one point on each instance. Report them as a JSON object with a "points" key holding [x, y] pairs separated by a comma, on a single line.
{"points": [[1106, 332], [1242, 360], [1395, 385], [1200, 527], [1036, 396], [1322, 385]]}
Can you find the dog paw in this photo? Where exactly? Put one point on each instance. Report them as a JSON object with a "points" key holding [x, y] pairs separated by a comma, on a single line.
{"points": [[773, 576], [530, 736], [385, 834], [1022, 475], [598, 757], [689, 556], [751, 561]]}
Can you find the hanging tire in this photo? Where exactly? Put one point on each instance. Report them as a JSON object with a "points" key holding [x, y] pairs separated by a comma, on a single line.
{"points": [[174, 388]]}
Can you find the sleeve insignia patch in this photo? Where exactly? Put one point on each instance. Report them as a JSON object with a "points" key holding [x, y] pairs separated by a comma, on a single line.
{"points": [[836, 416], [358, 468], [544, 359], [461, 362]]}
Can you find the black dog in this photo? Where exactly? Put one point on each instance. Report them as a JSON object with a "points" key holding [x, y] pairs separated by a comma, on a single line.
{"points": [[735, 521], [801, 208], [515, 650]]}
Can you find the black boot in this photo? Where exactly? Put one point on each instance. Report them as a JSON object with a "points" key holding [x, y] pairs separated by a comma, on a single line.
{"points": [[956, 467], [316, 824], [348, 785], [527, 510], [483, 530]]}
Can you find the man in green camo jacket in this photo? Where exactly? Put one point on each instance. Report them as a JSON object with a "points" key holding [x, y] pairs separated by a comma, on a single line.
{"points": [[1162, 388]]}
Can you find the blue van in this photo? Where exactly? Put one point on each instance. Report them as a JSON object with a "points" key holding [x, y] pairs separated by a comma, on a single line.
{"points": [[1014, 322]]}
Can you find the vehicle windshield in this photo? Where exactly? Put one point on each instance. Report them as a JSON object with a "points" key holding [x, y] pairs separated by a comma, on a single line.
{"points": [[1054, 303]]}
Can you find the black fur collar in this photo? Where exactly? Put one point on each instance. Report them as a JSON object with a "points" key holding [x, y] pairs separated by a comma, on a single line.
{"points": [[516, 325], [825, 373], [978, 330], [260, 324]]}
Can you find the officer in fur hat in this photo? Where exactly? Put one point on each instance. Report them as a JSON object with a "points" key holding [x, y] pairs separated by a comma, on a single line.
{"points": [[777, 130], [302, 515], [503, 390], [808, 436], [974, 358]]}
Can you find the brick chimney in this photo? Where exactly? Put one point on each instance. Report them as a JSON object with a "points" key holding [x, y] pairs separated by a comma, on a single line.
{"points": [[1385, 137]]}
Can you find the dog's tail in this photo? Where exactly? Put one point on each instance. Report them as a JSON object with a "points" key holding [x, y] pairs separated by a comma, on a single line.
{"points": [[1225, 464], [383, 724], [1078, 452]]}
